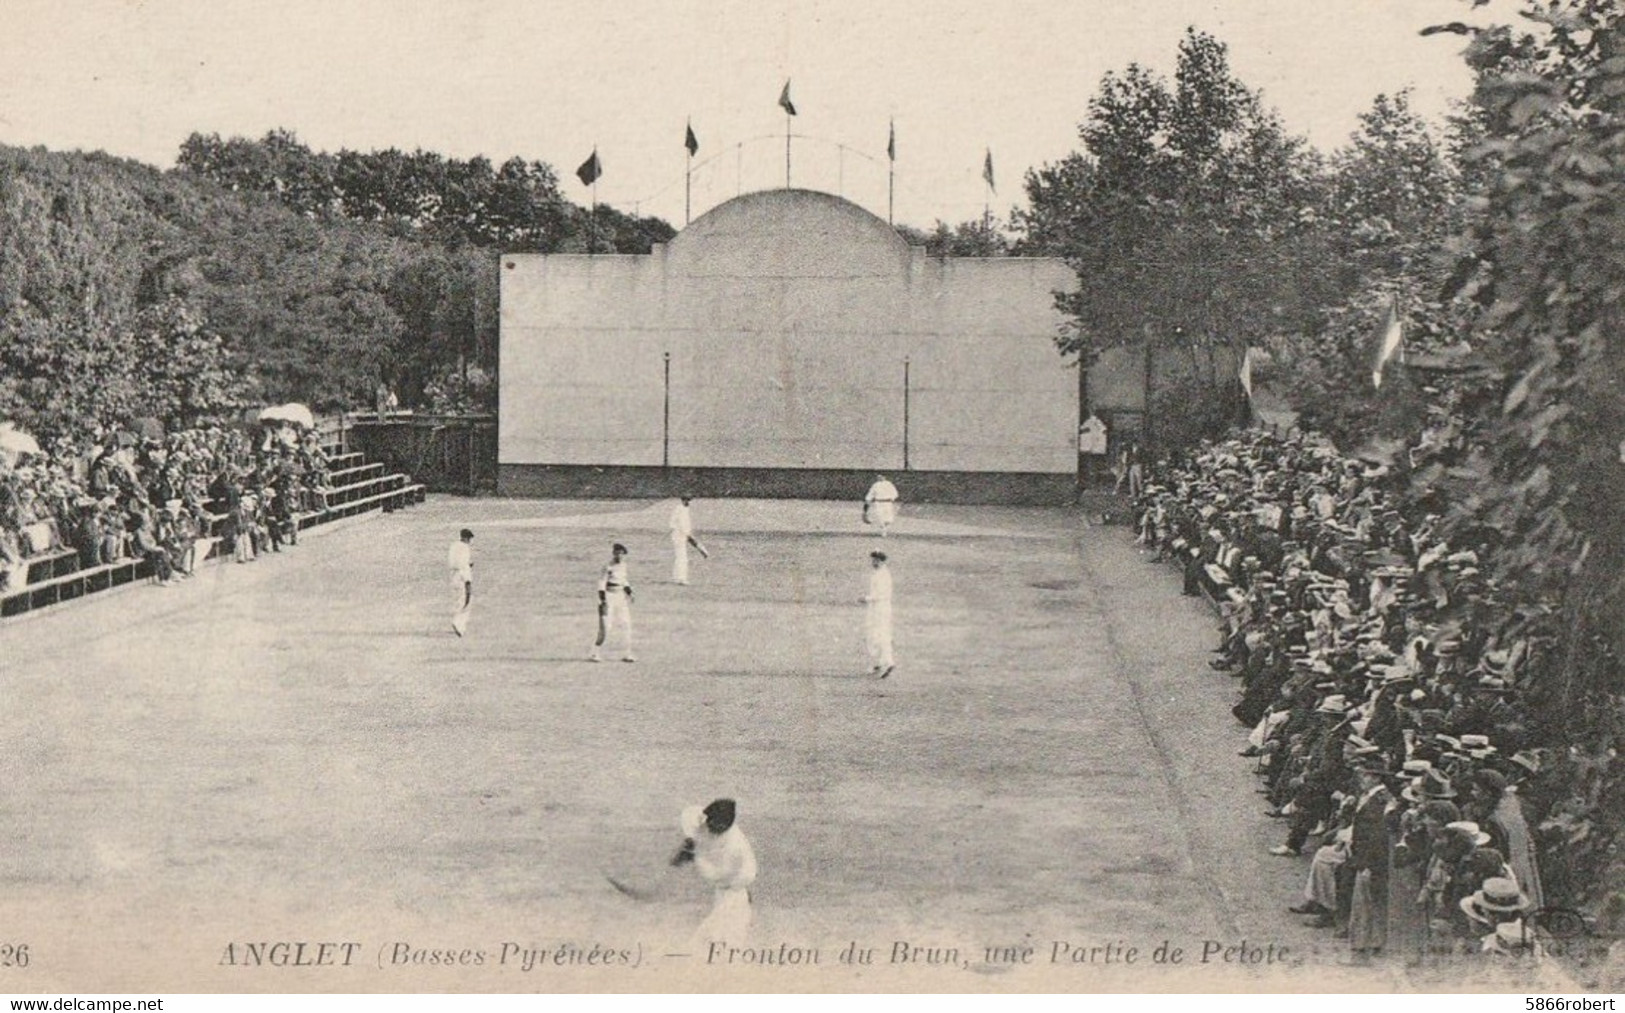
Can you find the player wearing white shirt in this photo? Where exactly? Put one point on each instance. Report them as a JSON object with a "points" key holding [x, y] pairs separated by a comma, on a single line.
{"points": [[614, 603], [460, 558], [877, 619], [682, 536], [724, 858], [880, 504]]}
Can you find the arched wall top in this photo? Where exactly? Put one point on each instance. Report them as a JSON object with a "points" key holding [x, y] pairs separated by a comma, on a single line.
{"points": [[784, 233]]}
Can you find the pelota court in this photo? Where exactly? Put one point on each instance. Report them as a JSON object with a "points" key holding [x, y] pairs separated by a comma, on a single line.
{"points": [[300, 750]]}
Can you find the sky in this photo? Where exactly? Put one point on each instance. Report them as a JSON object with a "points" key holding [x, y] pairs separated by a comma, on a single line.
{"points": [[550, 81]]}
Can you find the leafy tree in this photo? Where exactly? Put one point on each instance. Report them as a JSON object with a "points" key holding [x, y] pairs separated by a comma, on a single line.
{"points": [[978, 237], [1550, 255], [1185, 216], [1392, 202], [515, 208]]}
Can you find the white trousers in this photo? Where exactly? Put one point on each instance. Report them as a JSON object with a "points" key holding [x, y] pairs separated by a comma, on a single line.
{"points": [[679, 558], [462, 594], [729, 920], [879, 634], [1322, 885], [620, 616]]}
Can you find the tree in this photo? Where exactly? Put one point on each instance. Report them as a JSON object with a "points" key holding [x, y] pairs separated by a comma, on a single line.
{"points": [[1185, 215], [978, 237], [1392, 201]]}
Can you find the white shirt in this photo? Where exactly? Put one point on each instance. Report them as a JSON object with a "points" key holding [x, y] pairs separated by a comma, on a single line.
{"points": [[461, 560], [614, 578], [1092, 436], [726, 860], [881, 492], [879, 587], [682, 524]]}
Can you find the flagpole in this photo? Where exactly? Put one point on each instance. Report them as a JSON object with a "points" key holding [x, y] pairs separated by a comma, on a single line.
{"points": [[688, 173], [891, 170], [787, 150], [987, 200], [592, 234]]}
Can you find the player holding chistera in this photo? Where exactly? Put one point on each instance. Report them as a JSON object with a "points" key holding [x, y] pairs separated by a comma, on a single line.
{"points": [[880, 504], [877, 620], [460, 558], [682, 536], [723, 857], [614, 603]]}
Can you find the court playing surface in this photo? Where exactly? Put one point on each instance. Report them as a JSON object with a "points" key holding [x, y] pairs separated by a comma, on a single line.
{"points": [[300, 750]]}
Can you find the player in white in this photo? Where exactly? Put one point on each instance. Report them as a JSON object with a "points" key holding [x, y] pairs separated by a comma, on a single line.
{"points": [[682, 536], [723, 857], [614, 603], [461, 560], [877, 620], [880, 504]]}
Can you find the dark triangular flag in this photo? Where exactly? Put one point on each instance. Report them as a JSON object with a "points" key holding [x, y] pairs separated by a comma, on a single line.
{"points": [[891, 142], [691, 142], [590, 170], [784, 99], [987, 170]]}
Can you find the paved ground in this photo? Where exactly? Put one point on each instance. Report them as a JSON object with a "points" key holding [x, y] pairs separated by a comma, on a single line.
{"points": [[300, 750]]}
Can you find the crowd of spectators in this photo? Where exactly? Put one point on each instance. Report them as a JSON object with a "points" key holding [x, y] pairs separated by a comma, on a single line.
{"points": [[115, 495], [1378, 674]]}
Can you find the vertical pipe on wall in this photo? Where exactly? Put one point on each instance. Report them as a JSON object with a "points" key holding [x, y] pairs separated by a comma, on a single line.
{"points": [[665, 423], [1083, 416], [905, 412]]}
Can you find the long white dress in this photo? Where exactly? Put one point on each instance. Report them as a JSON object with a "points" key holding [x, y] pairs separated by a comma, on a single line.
{"points": [[878, 621]]}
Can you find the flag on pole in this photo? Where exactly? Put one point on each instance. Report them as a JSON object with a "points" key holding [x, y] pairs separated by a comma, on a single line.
{"points": [[691, 142], [891, 141], [784, 99], [590, 170], [1390, 342], [1246, 372], [987, 171]]}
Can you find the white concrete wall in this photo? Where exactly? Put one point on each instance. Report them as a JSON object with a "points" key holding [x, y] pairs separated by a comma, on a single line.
{"points": [[787, 315]]}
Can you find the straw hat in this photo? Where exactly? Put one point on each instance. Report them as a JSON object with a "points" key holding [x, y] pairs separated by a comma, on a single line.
{"points": [[1467, 828], [1429, 786], [1498, 896]]}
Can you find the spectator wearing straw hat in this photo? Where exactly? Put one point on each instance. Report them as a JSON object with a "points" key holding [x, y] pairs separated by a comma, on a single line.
{"points": [[1324, 773], [1504, 821], [1497, 901]]}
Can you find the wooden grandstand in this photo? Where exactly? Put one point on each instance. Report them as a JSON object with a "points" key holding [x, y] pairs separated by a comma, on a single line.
{"points": [[356, 486]]}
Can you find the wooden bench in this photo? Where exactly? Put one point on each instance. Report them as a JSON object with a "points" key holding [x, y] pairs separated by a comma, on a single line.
{"points": [[73, 585], [388, 500], [56, 576], [348, 476], [342, 496], [50, 565]]}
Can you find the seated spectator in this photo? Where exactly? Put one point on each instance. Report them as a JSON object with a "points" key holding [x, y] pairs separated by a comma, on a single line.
{"points": [[13, 570], [144, 537]]}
